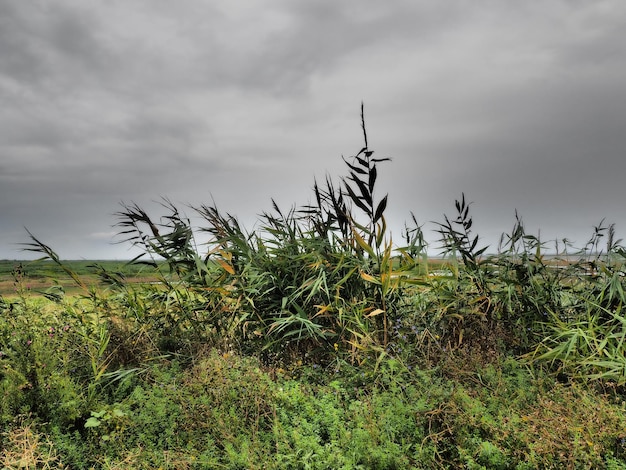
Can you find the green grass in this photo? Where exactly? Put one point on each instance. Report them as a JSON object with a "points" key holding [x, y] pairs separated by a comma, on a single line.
{"points": [[224, 410]]}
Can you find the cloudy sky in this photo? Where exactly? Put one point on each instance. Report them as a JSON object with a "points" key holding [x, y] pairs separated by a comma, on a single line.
{"points": [[520, 105]]}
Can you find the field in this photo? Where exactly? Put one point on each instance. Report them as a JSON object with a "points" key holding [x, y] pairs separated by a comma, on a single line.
{"points": [[313, 342], [39, 277]]}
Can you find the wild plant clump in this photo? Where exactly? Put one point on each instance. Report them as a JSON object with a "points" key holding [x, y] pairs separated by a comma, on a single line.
{"points": [[315, 342], [324, 282], [307, 283]]}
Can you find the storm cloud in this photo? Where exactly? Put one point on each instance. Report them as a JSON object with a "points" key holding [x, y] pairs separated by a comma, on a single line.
{"points": [[519, 105]]}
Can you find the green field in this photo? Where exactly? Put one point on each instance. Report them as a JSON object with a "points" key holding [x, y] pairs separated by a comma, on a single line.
{"points": [[39, 276]]}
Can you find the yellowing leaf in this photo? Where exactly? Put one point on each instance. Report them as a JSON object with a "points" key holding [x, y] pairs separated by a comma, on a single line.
{"points": [[374, 313], [227, 267], [363, 244], [369, 278], [322, 309]]}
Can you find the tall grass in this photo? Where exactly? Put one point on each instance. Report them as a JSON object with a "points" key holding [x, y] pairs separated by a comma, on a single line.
{"points": [[313, 280], [324, 282], [314, 341]]}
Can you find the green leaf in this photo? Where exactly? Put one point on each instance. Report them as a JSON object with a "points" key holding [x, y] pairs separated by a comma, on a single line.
{"points": [[93, 422], [363, 244]]}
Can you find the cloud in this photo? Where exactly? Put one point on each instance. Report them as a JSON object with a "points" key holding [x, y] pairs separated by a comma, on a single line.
{"points": [[102, 235], [50, 47], [517, 104]]}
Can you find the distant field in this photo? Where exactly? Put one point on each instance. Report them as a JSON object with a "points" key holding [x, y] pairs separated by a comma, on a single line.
{"points": [[37, 276]]}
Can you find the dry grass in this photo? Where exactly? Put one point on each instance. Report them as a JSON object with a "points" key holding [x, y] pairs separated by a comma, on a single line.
{"points": [[23, 448]]}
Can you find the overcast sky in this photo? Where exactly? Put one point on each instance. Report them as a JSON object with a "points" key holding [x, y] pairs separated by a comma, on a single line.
{"points": [[520, 105]]}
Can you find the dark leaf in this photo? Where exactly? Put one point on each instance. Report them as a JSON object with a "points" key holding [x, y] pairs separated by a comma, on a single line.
{"points": [[361, 151], [481, 251], [357, 200], [474, 243], [355, 168], [372, 178], [318, 196], [276, 207], [380, 209], [367, 196], [363, 162]]}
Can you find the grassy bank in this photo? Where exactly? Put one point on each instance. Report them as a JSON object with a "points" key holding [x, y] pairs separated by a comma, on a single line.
{"points": [[84, 387]]}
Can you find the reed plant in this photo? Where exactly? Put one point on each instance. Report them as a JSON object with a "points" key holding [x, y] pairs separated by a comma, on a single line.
{"points": [[313, 341], [320, 278], [324, 281], [588, 341]]}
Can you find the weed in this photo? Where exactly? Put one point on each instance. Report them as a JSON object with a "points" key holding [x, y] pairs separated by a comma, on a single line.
{"points": [[313, 342], [24, 447]]}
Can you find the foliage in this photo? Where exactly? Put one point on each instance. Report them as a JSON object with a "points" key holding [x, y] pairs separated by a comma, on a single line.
{"points": [[313, 280], [229, 411], [315, 342]]}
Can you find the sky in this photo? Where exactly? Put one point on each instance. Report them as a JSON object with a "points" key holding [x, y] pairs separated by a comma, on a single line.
{"points": [[521, 106]]}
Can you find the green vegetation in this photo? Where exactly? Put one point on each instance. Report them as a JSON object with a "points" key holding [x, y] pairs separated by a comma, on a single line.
{"points": [[46, 276], [315, 342]]}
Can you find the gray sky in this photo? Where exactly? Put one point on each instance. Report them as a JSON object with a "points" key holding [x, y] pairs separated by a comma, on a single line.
{"points": [[521, 105]]}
